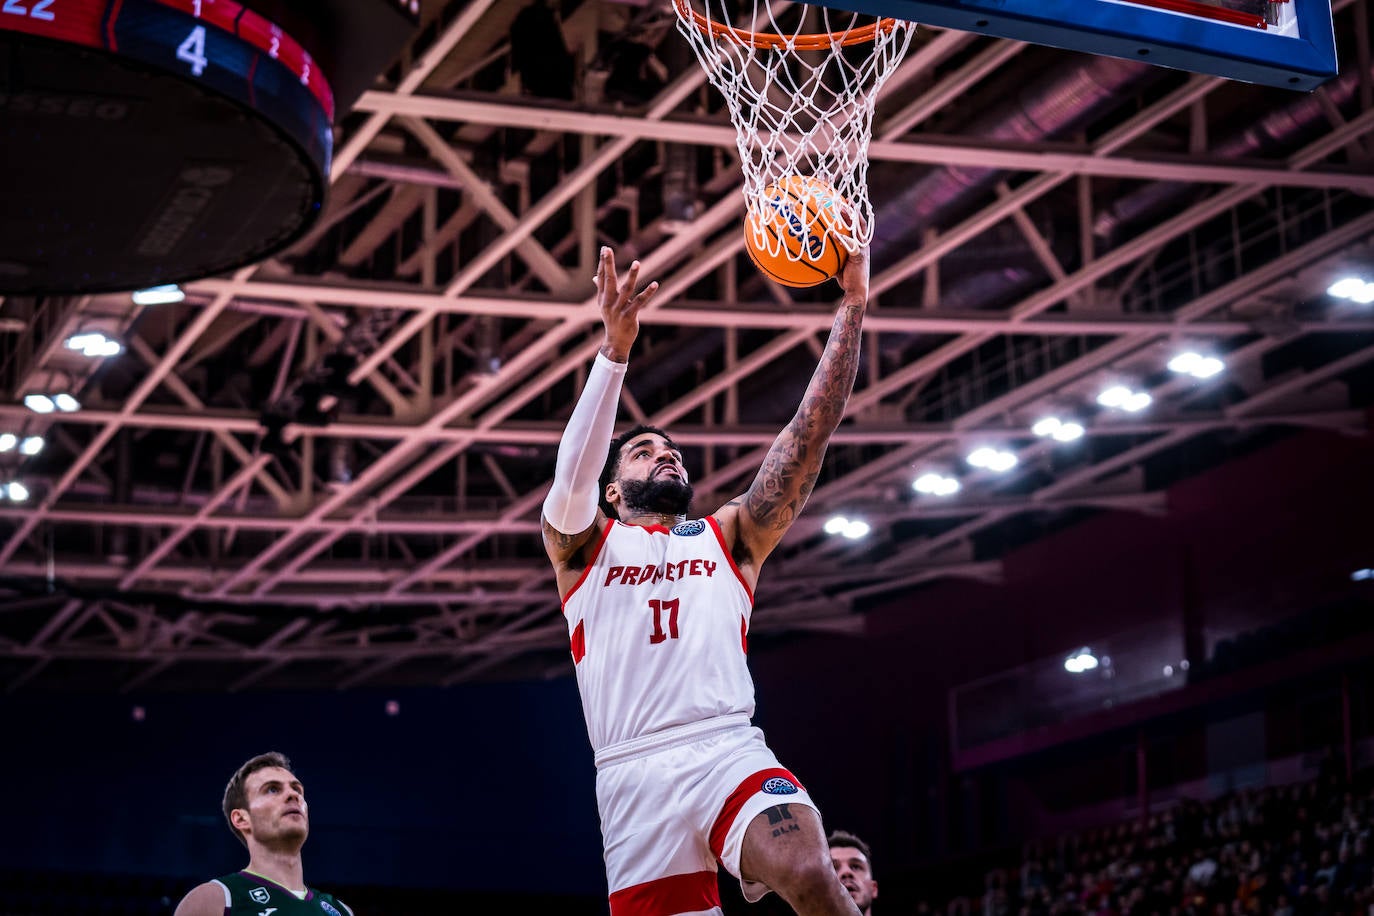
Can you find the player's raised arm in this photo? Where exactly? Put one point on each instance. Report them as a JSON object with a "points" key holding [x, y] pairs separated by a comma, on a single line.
{"points": [[788, 474], [571, 510]]}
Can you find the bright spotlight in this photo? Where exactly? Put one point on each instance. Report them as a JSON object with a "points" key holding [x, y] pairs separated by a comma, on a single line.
{"points": [[836, 524], [8, 441], [1196, 365], [1208, 367], [159, 295], [39, 403], [1365, 295], [1185, 363], [1346, 287], [1362, 575], [856, 529], [1068, 432], [1115, 396], [66, 403], [1003, 462], [992, 459], [94, 344], [982, 457], [1137, 402], [31, 445], [17, 492], [1047, 427], [1080, 661], [934, 484]]}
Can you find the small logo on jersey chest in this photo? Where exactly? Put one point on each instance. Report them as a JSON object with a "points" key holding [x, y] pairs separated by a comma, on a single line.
{"points": [[259, 895], [689, 529], [779, 786], [324, 905]]}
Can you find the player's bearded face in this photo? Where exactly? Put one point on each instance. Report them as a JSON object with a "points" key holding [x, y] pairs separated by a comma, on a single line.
{"points": [[664, 494]]}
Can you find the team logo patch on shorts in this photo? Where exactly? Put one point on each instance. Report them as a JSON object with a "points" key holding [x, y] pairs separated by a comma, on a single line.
{"points": [[689, 529], [777, 785]]}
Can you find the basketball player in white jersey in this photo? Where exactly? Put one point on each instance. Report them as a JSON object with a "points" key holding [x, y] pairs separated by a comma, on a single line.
{"points": [[658, 611]]}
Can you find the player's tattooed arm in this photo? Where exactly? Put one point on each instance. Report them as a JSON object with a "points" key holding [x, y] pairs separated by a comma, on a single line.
{"points": [[789, 471], [565, 549]]}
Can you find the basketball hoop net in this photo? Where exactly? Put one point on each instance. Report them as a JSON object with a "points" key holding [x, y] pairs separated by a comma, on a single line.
{"points": [[802, 102]]}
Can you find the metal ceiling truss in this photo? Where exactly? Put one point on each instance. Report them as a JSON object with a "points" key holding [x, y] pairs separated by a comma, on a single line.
{"points": [[436, 325]]}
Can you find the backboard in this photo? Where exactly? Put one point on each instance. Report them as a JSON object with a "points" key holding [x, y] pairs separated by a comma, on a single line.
{"points": [[1285, 43]]}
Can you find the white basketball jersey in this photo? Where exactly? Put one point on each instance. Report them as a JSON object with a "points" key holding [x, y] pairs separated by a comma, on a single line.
{"points": [[658, 626]]}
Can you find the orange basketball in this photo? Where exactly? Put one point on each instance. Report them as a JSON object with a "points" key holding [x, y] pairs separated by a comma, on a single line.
{"points": [[802, 220]]}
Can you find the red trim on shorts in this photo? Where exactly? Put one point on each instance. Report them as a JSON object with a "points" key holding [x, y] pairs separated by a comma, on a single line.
{"points": [[666, 896], [579, 642], [720, 539], [751, 786], [591, 561]]}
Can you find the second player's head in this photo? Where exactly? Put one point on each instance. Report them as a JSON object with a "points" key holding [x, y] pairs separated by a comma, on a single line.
{"points": [[264, 804]]}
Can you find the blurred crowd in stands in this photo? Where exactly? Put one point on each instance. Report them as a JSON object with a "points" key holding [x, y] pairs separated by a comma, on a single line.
{"points": [[1300, 850]]}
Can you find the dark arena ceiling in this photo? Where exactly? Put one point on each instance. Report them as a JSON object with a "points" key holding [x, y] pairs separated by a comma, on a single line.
{"points": [[326, 469]]}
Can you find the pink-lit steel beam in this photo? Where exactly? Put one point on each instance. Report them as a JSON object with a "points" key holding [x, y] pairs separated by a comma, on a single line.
{"points": [[888, 319], [1041, 157], [198, 325], [419, 71]]}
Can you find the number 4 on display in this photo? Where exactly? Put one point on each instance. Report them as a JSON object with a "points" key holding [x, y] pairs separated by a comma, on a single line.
{"points": [[192, 50]]}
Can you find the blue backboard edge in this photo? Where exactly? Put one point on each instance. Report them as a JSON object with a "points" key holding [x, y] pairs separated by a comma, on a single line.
{"points": [[1116, 30]]}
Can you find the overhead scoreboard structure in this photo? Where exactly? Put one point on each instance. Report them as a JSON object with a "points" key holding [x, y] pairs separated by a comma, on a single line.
{"points": [[1284, 43], [156, 141]]}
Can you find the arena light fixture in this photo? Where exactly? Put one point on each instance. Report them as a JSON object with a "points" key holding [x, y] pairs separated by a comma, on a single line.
{"points": [[1080, 661], [1199, 366], [94, 344], [66, 403], [992, 459], [1356, 289], [856, 529], [933, 483], [167, 294], [16, 492], [1362, 575], [1119, 397], [39, 403], [1059, 430], [31, 445], [853, 529], [8, 441]]}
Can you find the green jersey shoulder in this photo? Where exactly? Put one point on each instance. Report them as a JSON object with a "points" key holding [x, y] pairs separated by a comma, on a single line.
{"points": [[246, 894]]}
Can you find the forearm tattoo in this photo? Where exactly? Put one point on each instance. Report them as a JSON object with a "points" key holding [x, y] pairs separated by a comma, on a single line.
{"points": [[789, 471]]}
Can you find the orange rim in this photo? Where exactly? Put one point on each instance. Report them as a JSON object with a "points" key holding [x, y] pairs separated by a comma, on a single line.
{"points": [[817, 41]]}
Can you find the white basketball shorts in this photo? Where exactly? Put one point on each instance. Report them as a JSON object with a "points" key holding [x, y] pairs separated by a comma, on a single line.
{"points": [[670, 812]]}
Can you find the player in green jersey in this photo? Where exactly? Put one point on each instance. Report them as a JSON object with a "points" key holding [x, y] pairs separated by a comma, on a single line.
{"points": [[265, 806]]}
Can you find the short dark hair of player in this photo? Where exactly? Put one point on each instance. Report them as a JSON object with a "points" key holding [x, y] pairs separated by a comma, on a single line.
{"points": [[236, 793], [850, 841], [613, 459]]}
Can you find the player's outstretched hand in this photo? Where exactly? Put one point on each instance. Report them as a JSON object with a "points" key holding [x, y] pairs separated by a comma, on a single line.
{"points": [[620, 306], [854, 278]]}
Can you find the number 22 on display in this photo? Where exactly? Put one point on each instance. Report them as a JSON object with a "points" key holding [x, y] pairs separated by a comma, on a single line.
{"points": [[38, 11]]}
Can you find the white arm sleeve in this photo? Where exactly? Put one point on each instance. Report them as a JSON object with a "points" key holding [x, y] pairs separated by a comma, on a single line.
{"points": [[571, 504]]}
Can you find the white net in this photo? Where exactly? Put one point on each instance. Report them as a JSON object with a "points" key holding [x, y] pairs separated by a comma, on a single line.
{"points": [[801, 83]]}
